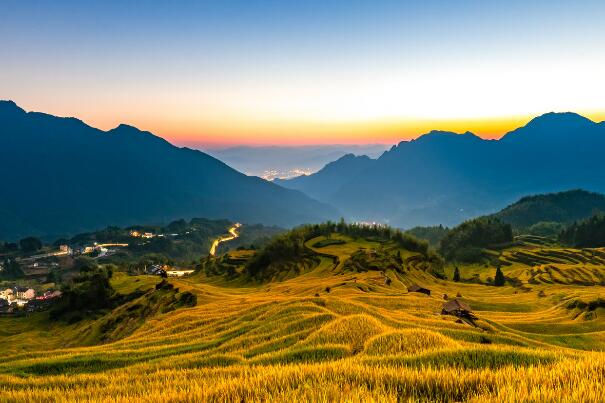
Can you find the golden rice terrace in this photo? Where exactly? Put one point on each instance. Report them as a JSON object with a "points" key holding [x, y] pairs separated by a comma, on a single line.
{"points": [[343, 326]]}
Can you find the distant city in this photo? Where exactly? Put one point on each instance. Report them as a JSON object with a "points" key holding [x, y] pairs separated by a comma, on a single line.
{"points": [[271, 174]]}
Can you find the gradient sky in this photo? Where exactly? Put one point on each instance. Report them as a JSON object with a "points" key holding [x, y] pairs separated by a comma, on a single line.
{"points": [[304, 72]]}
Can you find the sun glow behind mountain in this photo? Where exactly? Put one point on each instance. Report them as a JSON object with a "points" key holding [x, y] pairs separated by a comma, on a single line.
{"points": [[296, 73]]}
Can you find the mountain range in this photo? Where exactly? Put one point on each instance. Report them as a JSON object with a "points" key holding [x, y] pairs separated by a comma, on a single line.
{"points": [[61, 176], [286, 161], [445, 177]]}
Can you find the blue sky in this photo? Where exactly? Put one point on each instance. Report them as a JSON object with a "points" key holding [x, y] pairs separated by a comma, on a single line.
{"points": [[267, 72]]}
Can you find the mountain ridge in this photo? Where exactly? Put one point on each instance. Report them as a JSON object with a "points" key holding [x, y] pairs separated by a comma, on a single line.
{"points": [[445, 177], [79, 178]]}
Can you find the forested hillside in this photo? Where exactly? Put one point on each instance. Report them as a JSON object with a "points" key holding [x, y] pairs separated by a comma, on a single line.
{"points": [[67, 177]]}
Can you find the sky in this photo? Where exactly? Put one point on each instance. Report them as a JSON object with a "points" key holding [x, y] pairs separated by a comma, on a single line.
{"points": [[222, 73]]}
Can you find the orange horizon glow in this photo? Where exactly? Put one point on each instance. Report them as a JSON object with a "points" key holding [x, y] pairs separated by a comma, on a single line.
{"points": [[221, 130], [296, 133]]}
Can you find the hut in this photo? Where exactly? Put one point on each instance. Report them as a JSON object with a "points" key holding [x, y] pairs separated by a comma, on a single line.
{"points": [[458, 308], [417, 288]]}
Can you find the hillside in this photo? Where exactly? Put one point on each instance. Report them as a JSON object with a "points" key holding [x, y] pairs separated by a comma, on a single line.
{"points": [[563, 207], [446, 178], [346, 326], [327, 180], [67, 177]]}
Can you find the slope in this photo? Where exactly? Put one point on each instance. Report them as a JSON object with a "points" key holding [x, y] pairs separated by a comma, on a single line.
{"points": [[563, 207], [332, 333], [62, 177]]}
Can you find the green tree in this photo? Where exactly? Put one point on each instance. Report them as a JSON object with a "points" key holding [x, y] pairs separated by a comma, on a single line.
{"points": [[465, 242], [30, 244], [456, 274], [89, 291], [54, 276], [499, 280], [11, 271]]}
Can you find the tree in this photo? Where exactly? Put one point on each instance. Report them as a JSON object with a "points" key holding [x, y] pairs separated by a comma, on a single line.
{"points": [[11, 271], [465, 242], [89, 291], [499, 280], [54, 276], [456, 274], [30, 244]]}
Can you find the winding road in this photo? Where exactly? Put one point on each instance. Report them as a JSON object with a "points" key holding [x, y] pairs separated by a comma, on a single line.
{"points": [[232, 235]]}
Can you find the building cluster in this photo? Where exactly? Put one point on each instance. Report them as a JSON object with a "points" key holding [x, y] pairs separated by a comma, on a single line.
{"points": [[149, 235], [146, 235], [25, 297]]}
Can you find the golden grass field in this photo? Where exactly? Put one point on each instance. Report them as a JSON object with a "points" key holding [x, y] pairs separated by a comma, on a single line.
{"points": [[334, 335]]}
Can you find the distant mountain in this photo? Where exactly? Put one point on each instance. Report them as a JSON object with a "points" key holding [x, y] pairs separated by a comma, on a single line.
{"points": [[325, 182], [446, 178], [288, 161], [563, 207], [61, 176]]}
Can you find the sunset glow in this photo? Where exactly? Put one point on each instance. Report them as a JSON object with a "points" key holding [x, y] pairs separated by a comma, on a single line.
{"points": [[288, 73]]}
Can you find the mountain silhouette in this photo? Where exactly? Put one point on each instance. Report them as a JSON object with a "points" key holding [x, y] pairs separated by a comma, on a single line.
{"points": [[331, 175], [445, 178], [61, 176]]}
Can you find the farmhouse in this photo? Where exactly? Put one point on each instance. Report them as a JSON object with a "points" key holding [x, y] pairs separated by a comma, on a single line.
{"points": [[24, 293], [458, 308], [156, 270], [7, 294], [48, 295], [417, 288]]}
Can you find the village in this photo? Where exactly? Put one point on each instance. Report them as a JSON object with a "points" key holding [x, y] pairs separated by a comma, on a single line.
{"points": [[18, 299], [31, 281]]}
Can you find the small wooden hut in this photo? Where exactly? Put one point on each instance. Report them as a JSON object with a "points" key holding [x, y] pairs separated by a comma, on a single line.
{"points": [[417, 288]]}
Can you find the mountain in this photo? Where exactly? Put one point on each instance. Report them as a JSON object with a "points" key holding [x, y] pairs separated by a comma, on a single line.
{"points": [[563, 207], [61, 176], [327, 180], [288, 161], [445, 178]]}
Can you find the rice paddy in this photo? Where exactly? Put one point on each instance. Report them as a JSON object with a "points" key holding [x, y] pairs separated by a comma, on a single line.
{"points": [[338, 333]]}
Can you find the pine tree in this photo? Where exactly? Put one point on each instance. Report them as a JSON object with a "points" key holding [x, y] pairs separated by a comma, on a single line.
{"points": [[456, 274], [499, 280]]}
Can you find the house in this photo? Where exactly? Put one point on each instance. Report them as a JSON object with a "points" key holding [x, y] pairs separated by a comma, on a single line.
{"points": [[417, 288], [458, 308], [48, 295], [24, 293], [7, 295], [156, 270]]}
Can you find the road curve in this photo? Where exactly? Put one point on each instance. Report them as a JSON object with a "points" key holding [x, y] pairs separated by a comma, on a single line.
{"points": [[232, 235]]}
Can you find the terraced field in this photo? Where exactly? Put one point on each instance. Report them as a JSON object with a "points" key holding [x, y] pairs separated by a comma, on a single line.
{"points": [[339, 331]]}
